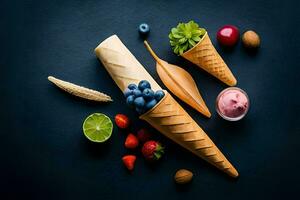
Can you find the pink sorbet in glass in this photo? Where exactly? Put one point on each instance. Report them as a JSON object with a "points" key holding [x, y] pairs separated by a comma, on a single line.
{"points": [[233, 103]]}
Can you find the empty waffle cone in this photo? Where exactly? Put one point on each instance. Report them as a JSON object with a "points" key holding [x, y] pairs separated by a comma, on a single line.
{"points": [[205, 56], [173, 121]]}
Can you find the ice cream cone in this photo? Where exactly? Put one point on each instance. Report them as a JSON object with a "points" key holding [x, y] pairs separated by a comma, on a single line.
{"points": [[174, 122], [204, 55], [167, 116]]}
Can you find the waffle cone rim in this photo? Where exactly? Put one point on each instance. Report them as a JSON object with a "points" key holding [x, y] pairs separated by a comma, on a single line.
{"points": [[149, 111], [194, 47]]}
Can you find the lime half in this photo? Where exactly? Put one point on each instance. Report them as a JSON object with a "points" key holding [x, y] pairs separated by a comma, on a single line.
{"points": [[97, 127]]}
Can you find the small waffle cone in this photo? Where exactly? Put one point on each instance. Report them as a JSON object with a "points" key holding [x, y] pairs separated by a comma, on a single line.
{"points": [[205, 56], [173, 121]]}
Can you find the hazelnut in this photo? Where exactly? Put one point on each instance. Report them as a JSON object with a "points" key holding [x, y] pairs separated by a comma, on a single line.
{"points": [[183, 176], [251, 39]]}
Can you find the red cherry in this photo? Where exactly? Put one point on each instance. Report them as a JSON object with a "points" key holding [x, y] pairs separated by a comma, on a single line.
{"points": [[228, 35]]}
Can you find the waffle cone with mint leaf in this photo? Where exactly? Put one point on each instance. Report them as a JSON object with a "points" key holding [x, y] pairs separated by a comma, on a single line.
{"points": [[193, 43]]}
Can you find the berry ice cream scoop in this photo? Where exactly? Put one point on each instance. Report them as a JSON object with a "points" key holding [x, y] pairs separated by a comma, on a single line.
{"points": [[232, 104]]}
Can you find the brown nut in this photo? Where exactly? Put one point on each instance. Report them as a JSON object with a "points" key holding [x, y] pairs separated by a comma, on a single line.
{"points": [[183, 176], [251, 39]]}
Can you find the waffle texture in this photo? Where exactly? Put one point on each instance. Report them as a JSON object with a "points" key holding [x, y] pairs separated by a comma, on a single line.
{"points": [[174, 122], [205, 56]]}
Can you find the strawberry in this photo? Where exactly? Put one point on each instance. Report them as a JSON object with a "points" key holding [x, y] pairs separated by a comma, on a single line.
{"points": [[152, 150], [131, 141], [129, 161], [122, 121], [143, 135]]}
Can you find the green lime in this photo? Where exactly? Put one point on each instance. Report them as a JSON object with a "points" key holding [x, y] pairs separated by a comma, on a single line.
{"points": [[97, 127]]}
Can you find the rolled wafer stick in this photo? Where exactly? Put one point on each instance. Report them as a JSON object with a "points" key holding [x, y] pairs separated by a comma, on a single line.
{"points": [[80, 91]]}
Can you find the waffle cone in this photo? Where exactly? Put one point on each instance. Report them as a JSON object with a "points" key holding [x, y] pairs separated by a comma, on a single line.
{"points": [[173, 121], [167, 116], [205, 56]]}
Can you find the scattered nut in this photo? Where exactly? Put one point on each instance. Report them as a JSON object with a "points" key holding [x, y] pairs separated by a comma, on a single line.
{"points": [[251, 39], [183, 176]]}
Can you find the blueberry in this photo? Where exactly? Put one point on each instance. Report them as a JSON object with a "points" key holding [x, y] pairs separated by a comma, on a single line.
{"points": [[148, 94], [139, 102], [144, 84], [132, 86], [150, 104], [144, 29], [140, 110], [130, 100], [127, 92], [137, 92], [159, 94]]}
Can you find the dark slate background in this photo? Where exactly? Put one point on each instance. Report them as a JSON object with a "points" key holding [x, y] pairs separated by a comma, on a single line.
{"points": [[43, 152]]}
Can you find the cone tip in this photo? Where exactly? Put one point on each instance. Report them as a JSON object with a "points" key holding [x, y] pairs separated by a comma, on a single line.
{"points": [[207, 114], [232, 172], [233, 82], [202, 109], [51, 78]]}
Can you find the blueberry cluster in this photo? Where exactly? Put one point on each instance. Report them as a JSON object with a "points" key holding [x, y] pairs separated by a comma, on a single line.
{"points": [[142, 97]]}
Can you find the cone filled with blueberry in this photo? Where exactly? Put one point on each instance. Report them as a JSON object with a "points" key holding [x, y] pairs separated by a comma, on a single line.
{"points": [[159, 108], [141, 97]]}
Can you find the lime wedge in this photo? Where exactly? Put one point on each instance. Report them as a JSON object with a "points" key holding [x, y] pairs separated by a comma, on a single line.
{"points": [[97, 127]]}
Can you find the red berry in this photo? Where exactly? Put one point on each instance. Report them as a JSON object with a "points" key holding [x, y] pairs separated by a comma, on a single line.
{"points": [[152, 150], [122, 121], [228, 35], [129, 161], [131, 141], [143, 135]]}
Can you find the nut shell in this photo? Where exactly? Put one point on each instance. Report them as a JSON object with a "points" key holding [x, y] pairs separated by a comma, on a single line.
{"points": [[183, 176], [251, 39]]}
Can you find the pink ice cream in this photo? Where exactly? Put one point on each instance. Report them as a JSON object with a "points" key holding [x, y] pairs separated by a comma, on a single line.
{"points": [[233, 103]]}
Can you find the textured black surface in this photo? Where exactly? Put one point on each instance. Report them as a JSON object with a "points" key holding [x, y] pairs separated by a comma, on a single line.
{"points": [[43, 152]]}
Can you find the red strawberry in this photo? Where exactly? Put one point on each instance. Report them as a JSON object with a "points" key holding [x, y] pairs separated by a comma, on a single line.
{"points": [[143, 135], [129, 161], [122, 121], [131, 141], [152, 150]]}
